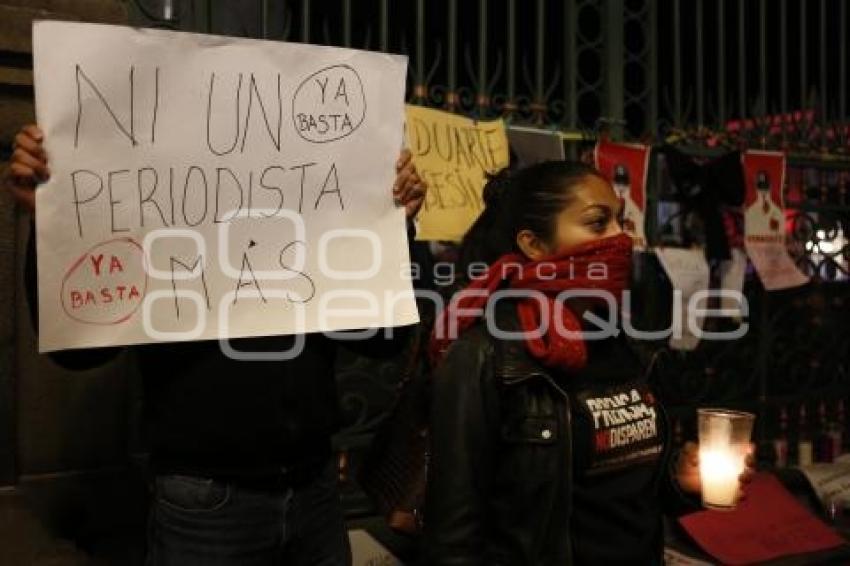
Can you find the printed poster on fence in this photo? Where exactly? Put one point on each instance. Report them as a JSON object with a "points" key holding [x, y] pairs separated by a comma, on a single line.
{"points": [[626, 167], [211, 187], [453, 155], [764, 220]]}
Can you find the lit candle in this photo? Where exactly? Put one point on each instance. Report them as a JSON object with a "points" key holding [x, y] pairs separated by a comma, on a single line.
{"points": [[719, 470], [724, 438]]}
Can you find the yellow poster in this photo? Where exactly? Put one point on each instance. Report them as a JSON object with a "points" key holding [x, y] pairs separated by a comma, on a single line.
{"points": [[453, 154]]}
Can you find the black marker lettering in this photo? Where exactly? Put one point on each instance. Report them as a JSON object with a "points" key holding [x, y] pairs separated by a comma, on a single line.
{"points": [[155, 105], [303, 176], [149, 198], [174, 261], [112, 201], [186, 192], [340, 91], [81, 75], [276, 188], [448, 155], [209, 117], [77, 201], [246, 263], [251, 91], [171, 191], [301, 273], [335, 190], [237, 184], [322, 85]]}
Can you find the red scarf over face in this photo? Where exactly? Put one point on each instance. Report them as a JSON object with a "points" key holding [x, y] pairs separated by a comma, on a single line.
{"points": [[579, 267]]}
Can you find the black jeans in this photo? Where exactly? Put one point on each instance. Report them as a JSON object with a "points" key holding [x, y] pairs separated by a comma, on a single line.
{"points": [[197, 521]]}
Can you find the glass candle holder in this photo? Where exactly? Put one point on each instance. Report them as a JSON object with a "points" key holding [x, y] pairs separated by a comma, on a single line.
{"points": [[724, 441]]}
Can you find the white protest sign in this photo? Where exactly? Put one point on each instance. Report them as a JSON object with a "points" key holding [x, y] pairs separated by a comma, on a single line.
{"points": [[209, 187]]}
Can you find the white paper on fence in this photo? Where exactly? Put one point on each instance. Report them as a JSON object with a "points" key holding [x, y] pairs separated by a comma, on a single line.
{"points": [[301, 139], [366, 551], [775, 267], [533, 145], [689, 274], [831, 482], [732, 273]]}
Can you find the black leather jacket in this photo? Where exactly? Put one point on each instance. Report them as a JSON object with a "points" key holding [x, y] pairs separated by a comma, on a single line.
{"points": [[500, 469]]}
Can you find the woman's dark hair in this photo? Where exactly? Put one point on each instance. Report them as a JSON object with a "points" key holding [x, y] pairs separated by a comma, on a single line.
{"points": [[526, 199]]}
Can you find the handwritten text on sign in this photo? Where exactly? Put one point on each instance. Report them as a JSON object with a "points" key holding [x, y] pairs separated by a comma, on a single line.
{"points": [[206, 187], [452, 154]]}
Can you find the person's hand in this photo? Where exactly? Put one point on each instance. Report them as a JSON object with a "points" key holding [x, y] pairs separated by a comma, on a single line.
{"points": [[28, 166], [687, 469], [409, 189]]}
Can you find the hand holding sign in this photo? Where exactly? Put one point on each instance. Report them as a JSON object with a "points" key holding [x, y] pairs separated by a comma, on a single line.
{"points": [[28, 167], [408, 190]]}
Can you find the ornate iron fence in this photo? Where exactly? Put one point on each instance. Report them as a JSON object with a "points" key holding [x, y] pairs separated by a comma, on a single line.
{"points": [[639, 68]]}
